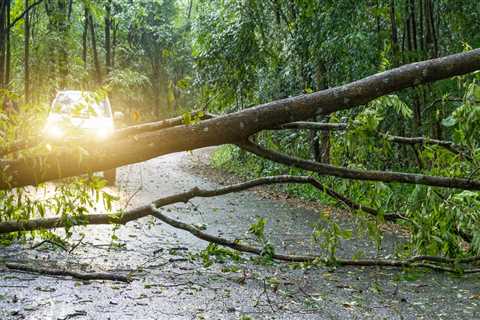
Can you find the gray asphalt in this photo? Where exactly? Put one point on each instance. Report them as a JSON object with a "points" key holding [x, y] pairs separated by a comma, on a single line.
{"points": [[170, 284]]}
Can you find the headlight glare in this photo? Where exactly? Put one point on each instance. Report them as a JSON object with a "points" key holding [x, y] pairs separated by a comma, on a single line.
{"points": [[103, 133], [54, 131]]}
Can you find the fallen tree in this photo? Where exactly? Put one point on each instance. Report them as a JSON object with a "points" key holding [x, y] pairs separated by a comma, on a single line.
{"points": [[232, 128], [146, 141]]}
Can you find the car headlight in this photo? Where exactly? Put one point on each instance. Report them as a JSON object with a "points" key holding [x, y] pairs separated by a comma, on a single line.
{"points": [[53, 131], [103, 133]]}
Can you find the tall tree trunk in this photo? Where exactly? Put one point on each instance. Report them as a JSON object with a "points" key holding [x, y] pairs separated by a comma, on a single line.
{"points": [[422, 28], [114, 42], [85, 37], [8, 57], [394, 34], [3, 37], [108, 42], [431, 48], [413, 20], [26, 57], [62, 28], [431, 36], [70, 10], [156, 85], [189, 11], [96, 62], [51, 70]]}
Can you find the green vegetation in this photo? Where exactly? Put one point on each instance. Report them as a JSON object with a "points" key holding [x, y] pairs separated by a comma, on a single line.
{"points": [[286, 49]]}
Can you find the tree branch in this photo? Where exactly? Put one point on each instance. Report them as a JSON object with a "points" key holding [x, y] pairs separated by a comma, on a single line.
{"points": [[158, 125], [448, 145], [117, 134], [143, 211], [322, 126], [417, 261], [152, 209], [30, 7], [355, 174], [67, 273], [306, 125]]}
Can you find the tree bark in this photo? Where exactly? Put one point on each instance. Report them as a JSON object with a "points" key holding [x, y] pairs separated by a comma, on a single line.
{"points": [[235, 127], [108, 41], [8, 48], [85, 36], [321, 126], [114, 42], [26, 54], [63, 25], [96, 61], [3, 38], [394, 33]]}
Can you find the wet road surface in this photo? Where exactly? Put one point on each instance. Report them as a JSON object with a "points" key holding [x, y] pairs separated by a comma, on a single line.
{"points": [[170, 284]]}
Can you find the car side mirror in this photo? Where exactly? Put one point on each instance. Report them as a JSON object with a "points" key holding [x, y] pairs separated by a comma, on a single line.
{"points": [[118, 116]]}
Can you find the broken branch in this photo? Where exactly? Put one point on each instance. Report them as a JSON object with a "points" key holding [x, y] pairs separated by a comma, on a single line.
{"points": [[143, 211], [417, 261], [322, 126], [67, 273], [305, 125], [355, 174]]}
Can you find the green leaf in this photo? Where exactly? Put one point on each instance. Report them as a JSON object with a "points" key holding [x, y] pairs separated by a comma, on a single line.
{"points": [[449, 122], [258, 228]]}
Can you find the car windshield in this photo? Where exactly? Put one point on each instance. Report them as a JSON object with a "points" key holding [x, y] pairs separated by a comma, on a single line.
{"points": [[81, 104]]}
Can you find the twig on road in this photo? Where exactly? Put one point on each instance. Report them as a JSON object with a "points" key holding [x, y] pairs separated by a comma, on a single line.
{"points": [[75, 246], [69, 273], [52, 242]]}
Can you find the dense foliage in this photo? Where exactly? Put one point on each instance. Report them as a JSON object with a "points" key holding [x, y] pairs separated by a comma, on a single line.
{"points": [[250, 52]]}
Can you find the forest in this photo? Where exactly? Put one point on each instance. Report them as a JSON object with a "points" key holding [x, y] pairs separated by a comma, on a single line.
{"points": [[366, 111]]}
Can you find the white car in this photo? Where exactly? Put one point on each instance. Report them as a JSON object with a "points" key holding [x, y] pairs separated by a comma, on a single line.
{"points": [[81, 114]]}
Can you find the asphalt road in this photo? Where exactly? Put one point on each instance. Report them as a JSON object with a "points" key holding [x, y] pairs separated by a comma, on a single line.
{"points": [[170, 284]]}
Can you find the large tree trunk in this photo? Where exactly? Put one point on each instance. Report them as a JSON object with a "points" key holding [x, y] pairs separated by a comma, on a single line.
{"points": [[62, 27], [156, 82], [26, 56], [394, 34], [108, 41], [3, 38], [85, 37], [114, 42], [96, 61], [235, 127], [8, 58]]}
